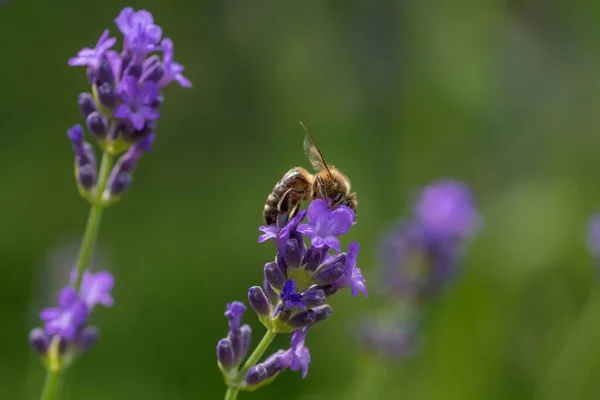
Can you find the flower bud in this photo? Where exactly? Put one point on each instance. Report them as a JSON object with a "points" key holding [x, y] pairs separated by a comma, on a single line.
{"points": [[322, 312], [312, 258], [86, 104], [97, 124], [292, 254], [263, 371], [258, 300], [302, 319], [105, 73], [326, 274], [274, 275], [313, 297], [107, 95], [225, 354], [271, 294], [39, 340]]}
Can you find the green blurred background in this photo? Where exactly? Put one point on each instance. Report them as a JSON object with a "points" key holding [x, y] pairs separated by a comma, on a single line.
{"points": [[501, 94]]}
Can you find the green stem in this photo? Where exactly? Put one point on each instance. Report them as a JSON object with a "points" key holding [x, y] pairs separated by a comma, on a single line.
{"points": [[85, 254], [50, 386], [578, 355], [258, 352], [231, 393], [93, 222]]}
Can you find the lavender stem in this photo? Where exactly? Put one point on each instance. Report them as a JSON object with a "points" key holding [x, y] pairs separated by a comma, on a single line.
{"points": [[94, 219], [50, 386]]}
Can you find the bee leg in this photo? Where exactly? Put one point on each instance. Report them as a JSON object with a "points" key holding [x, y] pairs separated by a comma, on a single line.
{"points": [[321, 188], [288, 206]]}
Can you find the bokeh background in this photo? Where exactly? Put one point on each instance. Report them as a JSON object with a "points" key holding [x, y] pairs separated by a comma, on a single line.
{"points": [[501, 94]]}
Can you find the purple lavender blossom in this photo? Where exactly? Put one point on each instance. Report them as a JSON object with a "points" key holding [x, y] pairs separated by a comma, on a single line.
{"points": [[234, 348], [68, 320], [65, 319], [96, 288], [137, 101], [352, 277], [298, 356], [289, 298], [172, 70], [446, 208], [593, 239], [140, 32], [122, 109], [92, 57], [325, 224]]}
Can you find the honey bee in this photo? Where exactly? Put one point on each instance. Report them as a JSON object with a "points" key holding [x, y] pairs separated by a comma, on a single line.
{"points": [[298, 184]]}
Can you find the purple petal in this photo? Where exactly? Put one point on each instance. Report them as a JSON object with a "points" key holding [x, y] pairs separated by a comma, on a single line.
{"points": [[341, 220], [123, 21], [138, 121], [317, 210], [148, 92], [182, 80], [67, 297], [50, 313], [330, 241], [269, 232], [122, 111], [96, 288], [358, 283], [150, 113], [307, 230], [128, 88]]}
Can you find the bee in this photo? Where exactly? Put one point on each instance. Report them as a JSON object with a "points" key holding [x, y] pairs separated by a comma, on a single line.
{"points": [[298, 184]]}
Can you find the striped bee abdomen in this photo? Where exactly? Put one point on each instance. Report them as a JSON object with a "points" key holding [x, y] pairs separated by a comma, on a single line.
{"points": [[282, 203]]}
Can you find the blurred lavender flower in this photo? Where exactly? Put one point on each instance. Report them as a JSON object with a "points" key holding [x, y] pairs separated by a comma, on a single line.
{"points": [[418, 258], [296, 285], [67, 322], [122, 109], [593, 239]]}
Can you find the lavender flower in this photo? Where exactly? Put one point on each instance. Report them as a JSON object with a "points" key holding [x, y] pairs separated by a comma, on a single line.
{"points": [[122, 110], [593, 239], [67, 322], [445, 208], [419, 257], [296, 285]]}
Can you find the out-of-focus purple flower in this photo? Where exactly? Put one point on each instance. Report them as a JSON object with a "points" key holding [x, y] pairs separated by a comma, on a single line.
{"points": [[326, 224], [446, 208], [121, 174], [172, 69], [65, 319], [593, 239], [140, 32], [352, 274], [137, 101], [392, 339], [416, 263], [92, 57], [96, 288]]}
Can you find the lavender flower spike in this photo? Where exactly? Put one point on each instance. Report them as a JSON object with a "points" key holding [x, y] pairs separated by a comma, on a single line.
{"points": [[325, 224]]}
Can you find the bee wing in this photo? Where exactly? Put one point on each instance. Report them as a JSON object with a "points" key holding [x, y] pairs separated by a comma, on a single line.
{"points": [[313, 153]]}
